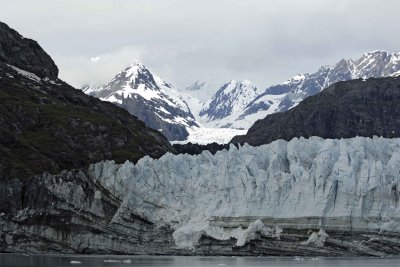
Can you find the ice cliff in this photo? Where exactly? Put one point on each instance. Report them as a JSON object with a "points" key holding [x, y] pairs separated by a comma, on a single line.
{"points": [[303, 197], [347, 184]]}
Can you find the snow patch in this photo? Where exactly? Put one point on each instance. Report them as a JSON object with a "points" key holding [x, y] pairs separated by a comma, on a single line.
{"points": [[204, 135], [25, 73]]}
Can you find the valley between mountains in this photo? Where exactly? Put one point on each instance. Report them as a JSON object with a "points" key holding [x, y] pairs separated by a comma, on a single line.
{"points": [[309, 167], [182, 117]]}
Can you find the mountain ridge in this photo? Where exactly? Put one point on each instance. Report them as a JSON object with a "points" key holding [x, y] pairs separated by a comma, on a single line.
{"points": [[345, 109], [288, 94], [148, 97]]}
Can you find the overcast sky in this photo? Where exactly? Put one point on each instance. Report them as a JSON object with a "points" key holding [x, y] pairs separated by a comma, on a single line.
{"points": [[211, 40]]}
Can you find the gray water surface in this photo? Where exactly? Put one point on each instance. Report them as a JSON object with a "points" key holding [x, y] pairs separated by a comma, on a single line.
{"points": [[21, 260]]}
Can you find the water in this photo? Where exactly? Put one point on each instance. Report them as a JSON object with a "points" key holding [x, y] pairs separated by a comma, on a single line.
{"points": [[20, 260]]}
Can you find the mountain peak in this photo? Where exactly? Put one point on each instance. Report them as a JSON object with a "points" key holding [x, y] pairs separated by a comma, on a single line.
{"points": [[134, 67], [148, 97], [232, 82], [246, 82], [136, 63]]}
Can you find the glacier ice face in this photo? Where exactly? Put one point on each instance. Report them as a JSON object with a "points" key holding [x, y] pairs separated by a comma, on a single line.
{"points": [[347, 184]]}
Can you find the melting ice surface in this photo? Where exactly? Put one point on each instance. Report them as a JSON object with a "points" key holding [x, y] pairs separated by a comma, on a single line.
{"points": [[355, 178], [15, 260]]}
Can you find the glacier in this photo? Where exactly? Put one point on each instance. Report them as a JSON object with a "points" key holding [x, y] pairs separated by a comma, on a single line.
{"points": [[302, 197], [347, 184]]}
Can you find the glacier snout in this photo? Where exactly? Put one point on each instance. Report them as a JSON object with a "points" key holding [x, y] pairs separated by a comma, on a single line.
{"points": [[303, 197], [346, 185]]}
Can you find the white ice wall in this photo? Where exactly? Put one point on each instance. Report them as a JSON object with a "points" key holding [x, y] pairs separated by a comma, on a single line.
{"points": [[354, 178]]}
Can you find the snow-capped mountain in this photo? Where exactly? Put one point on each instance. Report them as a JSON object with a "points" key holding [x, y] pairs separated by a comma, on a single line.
{"points": [[374, 64], [230, 100], [236, 105], [151, 99], [288, 94]]}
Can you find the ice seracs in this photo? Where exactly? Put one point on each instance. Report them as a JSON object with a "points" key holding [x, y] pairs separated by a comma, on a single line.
{"points": [[347, 185], [309, 197]]}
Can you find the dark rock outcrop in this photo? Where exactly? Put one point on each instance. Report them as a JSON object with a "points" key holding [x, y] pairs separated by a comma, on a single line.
{"points": [[345, 109], [195, 149], [25, 53]]}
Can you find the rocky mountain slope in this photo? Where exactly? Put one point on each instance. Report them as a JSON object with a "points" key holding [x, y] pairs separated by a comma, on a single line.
{"points": [[46, 125], [282, 97], [345, 109], [305, 197], [25, 54], [151, 99]]}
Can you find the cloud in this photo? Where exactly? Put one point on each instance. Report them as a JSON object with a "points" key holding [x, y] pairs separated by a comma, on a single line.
{"points": [[95, 59], [81, 69], [216, 41]]}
